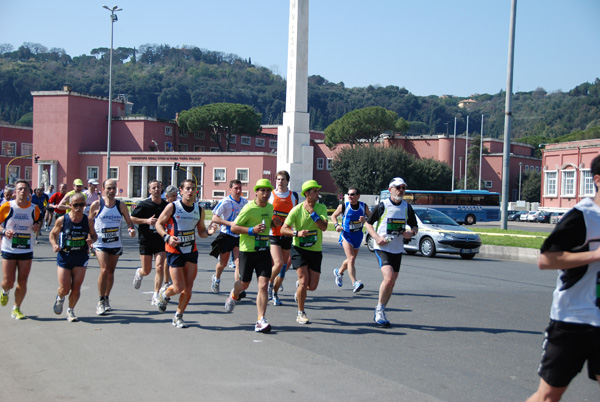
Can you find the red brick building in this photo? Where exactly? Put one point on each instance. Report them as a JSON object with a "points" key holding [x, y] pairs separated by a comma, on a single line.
{"points": [[15, 159]]}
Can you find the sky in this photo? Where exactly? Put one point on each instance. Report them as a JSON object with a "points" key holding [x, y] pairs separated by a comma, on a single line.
{"points": [[429, 47]]}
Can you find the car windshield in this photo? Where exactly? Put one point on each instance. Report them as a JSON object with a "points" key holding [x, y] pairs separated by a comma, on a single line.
{"points": [[434, 217]]}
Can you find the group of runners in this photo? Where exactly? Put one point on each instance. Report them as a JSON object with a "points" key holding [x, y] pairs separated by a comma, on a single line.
{"points": [[269, 234]]}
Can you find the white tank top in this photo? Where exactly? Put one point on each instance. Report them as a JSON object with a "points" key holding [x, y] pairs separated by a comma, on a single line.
{"points": [[108, 226]]}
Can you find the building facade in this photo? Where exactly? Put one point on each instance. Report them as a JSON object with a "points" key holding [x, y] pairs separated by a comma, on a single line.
{"points": [[566, 173], [16, 158]]}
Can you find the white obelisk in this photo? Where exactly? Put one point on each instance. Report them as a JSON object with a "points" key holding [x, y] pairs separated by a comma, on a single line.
{"points": [[294, 152]]}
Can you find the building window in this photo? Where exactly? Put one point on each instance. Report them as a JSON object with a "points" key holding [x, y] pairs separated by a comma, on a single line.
{"points": [[198, 148], [9, 148], [259, 142], [233, 139], [168, 131], [526, 168], [550, 184], [242, 175], [568, 183], [537, 169], [14, 174], [218, 194], [487, 184], [329, 163], [214, 149], [219, 174], [245, 194], [113, 173], [199, 135], [28, 173], [26, 149], [183, 133], [320, 162], [587, 183], [92, 172], [168, 147], [245, 140], [183, 148], [272, 143]]}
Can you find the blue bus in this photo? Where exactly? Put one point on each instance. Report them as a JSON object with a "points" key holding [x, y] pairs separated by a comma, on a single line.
{"points": [[464, 206]]}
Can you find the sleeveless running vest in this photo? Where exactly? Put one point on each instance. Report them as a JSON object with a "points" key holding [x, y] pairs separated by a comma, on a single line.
{"points": [[392, 224], [184, 227], [20, 220], [73, 236], [351, 220], [282, 205], [108, 225], [579, 302]]}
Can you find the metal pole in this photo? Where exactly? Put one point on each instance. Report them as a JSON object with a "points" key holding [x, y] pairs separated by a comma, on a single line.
{"points": [[467, 154], [460, 158], [507, 115], [520, 167], [454, 154], [113, 18], [480, 151]]}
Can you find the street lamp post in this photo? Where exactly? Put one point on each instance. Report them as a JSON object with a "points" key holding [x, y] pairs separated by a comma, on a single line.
{"points": [[520, 167], [460, 158], [113, 19]]}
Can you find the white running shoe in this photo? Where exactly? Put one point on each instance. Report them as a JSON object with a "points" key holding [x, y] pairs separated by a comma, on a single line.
{"points": [[58, 305], [71, 317], [101, 309], [178, 321], [215, 284], [137, 279], [302, 318], [262, 326], [229, 304]]}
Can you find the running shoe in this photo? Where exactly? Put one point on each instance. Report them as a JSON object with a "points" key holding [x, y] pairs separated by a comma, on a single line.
{"points": [[137, 279], [107, 306], [71, 317], [270, 291], [338, 277], [178, 321], [3, 298], [154, 301], [162, 302], [101, 309], [357, 286], [17, 315], [262, 326], [215, 284], [276, 301], [302, 318], [241, 295], [380, 318], [229, 304], [296, 293], [58, 305]]}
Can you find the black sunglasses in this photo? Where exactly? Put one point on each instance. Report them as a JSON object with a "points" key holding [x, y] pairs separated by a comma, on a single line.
{"points": [[78, 204], [351, 194]]}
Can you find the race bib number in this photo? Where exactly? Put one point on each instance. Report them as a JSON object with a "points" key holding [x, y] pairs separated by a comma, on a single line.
{"points": [[110, 235], [395, 226], [21, 241], [355, 226], [186, 238], [75, 244], [261, 243], [309, 240]]}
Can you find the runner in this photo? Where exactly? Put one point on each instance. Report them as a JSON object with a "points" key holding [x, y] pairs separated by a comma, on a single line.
{"points": [[145, 215], [226, 242], [106, 215], [66, 200], [354, 215], [283, 201], [91, 194], [253, 225], [309, 221], [41, 201], [19, 220], [53, 202], [182, 254], [69, 238], [392, 215], [49, 211]]}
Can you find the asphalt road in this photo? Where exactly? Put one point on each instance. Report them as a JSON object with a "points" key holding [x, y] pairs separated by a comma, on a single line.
{"points": [[461, 331]]}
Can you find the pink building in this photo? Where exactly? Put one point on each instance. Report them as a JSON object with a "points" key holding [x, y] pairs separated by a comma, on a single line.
{"points": [[566, 174], [15, 160]]}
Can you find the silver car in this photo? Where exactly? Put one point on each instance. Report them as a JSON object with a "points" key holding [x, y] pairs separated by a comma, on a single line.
{"points": [[438, 233]]}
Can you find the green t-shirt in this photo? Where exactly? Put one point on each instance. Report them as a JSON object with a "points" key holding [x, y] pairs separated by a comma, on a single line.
{"points": [[252, 215], [300, 219]]}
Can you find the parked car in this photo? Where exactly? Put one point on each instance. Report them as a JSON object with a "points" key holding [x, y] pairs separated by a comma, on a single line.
{"points": [[532, 216], [523, 216], [544, 217], [205, 205], [438, 233], [515, 215], [556, 216]]}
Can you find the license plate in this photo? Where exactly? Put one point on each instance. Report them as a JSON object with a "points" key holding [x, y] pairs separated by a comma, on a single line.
{"points": [[466, 251]]}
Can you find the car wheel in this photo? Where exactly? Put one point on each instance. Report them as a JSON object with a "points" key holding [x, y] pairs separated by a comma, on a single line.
{"points": [[370, 243], [427, 247], [465, 256], [470, 219]]}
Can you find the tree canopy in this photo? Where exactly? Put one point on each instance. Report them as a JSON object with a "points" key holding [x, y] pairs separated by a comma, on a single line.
{"points": [[224, 119], [360, 125]]}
